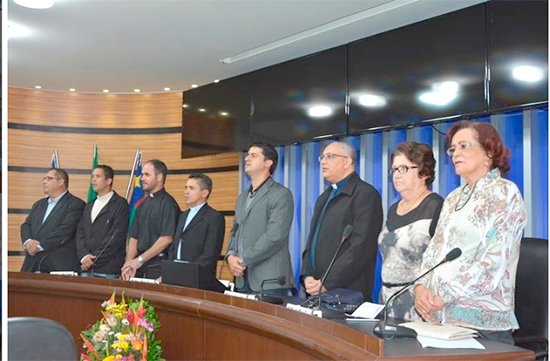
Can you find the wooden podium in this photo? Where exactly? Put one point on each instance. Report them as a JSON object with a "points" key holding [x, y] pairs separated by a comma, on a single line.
{"points": [[203, 325]]}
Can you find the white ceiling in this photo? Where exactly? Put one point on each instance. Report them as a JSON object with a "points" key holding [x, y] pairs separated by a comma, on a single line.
{"points": [[121, 45]]}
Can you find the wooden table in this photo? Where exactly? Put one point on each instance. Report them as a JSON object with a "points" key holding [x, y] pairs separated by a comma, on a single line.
{"points": [[202, 325]]}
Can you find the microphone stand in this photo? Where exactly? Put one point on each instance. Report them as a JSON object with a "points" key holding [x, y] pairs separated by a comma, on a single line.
{"points": [[103, 250], [385, 330], [316, 303], [268, 298]]}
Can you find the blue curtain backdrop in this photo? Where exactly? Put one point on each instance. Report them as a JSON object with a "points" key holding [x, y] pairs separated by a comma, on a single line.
{"points": [[524, 132]]}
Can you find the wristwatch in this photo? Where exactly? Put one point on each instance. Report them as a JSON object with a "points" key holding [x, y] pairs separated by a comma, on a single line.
{"points": [[140, 259]]}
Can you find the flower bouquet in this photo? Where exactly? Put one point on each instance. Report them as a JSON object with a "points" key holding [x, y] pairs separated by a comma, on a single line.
{"points": [[126, 332]]}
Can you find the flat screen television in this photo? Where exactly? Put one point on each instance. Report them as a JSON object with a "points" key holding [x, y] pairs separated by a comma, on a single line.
{"points": [[518, 53], [216, 117], [429, 70], [301, 99]]}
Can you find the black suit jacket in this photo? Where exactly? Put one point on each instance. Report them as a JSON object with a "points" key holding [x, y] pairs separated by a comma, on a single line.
{"points": [[358, 204], [106, 237], [56, 235], [202, 239]]}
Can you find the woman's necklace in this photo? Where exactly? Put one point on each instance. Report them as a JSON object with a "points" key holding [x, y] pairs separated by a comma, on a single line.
{"points": [[461, 203]]}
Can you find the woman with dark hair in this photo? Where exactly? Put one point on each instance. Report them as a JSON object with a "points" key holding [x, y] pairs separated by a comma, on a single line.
{"points": [[410, 225], [485, 218]]}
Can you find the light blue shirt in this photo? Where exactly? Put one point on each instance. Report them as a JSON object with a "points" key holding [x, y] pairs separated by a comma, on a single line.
{"points": [[51, 205], [192, 213]]}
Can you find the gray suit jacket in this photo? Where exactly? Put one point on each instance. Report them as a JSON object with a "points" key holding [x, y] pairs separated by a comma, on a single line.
{"points": [[262, 236]]}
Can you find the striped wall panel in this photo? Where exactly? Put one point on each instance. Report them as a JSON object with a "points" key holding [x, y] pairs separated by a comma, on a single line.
{"points": [[525, 133]]}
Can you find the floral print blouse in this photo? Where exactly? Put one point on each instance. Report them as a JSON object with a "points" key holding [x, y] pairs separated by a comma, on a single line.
{"points": [[486, 222]]}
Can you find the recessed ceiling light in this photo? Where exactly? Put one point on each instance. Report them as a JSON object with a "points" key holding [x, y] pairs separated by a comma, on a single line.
{"points": [[202, 110], [216, 81], [185, 105], [35, 4], [194, 86], [37, 87], [72, 89], [16, 31], [528, 73], [105, 90], [442, 93], [166, 89], [137, 90], [372, 100], [319, 111], [224, 114]]}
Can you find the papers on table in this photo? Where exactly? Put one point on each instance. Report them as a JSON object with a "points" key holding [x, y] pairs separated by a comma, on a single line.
{"points": [[442, 332], [367, 311], [438, 343]]}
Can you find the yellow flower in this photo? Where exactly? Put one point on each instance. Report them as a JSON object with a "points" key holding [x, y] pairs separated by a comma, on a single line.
{"points": [[121, 344], [123, 336], [109, 358]]}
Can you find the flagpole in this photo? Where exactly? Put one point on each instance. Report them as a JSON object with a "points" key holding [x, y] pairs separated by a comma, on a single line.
{"points": [[138, 151]]}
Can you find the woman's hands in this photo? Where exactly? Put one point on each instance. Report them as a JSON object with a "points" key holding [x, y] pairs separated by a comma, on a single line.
{"points": [[426, 302]]}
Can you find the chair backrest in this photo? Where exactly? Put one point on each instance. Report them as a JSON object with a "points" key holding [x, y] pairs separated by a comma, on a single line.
{"points": [[532, 288], [32, 338]]}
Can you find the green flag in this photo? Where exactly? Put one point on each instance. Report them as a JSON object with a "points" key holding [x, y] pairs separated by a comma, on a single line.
{"points": [[91, 194]]}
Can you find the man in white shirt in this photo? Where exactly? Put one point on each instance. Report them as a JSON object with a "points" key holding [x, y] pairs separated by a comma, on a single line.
{"points": [[101, 234]]}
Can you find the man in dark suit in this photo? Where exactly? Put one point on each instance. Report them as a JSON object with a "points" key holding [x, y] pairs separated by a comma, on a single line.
{"points": [[101, 234], [348, 201], [48, 233], [200, 229]]}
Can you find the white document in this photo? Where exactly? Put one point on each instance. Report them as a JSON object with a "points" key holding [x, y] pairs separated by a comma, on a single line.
{"points": [[442, 332], [438, 343], [367, 310]]}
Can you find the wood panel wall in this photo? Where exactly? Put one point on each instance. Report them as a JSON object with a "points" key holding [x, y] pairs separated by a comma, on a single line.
{"points": [[41, 121]]}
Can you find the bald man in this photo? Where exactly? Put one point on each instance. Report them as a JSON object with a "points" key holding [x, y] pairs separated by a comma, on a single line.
{"points": [[348, 200]]}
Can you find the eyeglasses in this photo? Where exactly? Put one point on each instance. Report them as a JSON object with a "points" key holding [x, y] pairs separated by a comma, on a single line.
{"points": [[329, 156], [402, 169], [462, 145]]}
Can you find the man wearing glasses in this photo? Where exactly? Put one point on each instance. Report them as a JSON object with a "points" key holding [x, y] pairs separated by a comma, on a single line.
{"points": [[48, 233], [348, 201], [258, 244]]}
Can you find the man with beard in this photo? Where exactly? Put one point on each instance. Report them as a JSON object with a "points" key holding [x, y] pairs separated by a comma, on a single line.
{"points": [[152, 231]]}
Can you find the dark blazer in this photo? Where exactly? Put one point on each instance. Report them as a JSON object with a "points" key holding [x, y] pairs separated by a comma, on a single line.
{"points": [[56, 235], [358, 204], [202, 239], [106, 237]]}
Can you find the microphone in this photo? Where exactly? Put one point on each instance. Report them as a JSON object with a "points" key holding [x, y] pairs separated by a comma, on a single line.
{"points": [[281, 280], [234, 230], [385, 330], [52, 250], [103, 250], [315, 301], [38, 270], [348, 230]]}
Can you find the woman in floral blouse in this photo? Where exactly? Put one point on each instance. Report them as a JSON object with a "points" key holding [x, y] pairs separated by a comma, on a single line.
{"points": [[485, 218]]}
